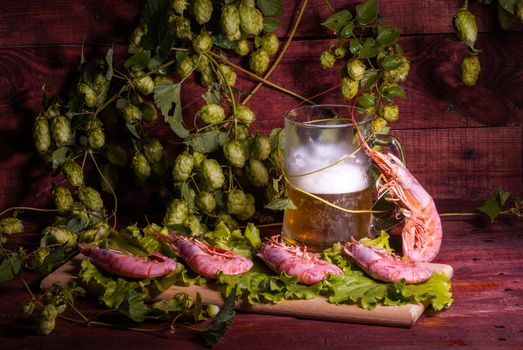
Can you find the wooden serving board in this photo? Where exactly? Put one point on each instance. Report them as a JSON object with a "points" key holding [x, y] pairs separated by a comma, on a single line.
{"points": [[318, 308]]}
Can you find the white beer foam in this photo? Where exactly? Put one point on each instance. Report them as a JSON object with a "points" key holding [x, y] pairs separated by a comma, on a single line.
{"points": [[350, 175]]}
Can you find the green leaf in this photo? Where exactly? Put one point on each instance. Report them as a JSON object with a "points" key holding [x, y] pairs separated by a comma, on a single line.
{"points": [[165, 95], [212, 96], [509, 5], [10, 267], [179, 302], [206, 142], [354, 46], [216, 329], [159, 35], [270, 8], [387, 35], [367, 100], [382, 241], [338, 20], [368, 49], [281, 204], [134, 306], [138, 61], [109, 60], [393, 91], [252, 234], [197, 311], [55, 257], [494, 204], [370, 78], [367, 12], [188, 195], [220, 40], [271, 24], [346, 31], [258, 41], [391, 62], [77, 223], [436, 290]]}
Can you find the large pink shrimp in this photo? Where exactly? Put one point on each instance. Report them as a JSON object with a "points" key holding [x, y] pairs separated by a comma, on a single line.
{"points": [[381, 265], [295, 261], [126, 265], [205, 259], [422, 233]]}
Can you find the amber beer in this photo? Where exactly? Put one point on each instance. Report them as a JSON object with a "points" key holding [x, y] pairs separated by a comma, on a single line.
{"points": [[318, 225]]}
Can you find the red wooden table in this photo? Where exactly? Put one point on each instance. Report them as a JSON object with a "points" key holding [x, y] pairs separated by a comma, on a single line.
{"points": [[461, 144]]}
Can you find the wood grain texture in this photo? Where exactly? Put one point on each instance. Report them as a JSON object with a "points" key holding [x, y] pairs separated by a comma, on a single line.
{"points": [[486, 313], [96, 22]]}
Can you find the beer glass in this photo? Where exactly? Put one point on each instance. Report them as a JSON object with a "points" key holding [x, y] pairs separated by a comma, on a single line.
{"points": [[327, 172]]}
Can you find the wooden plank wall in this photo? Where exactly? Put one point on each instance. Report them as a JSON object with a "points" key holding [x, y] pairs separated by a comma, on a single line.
{"points": [[461, 142]]}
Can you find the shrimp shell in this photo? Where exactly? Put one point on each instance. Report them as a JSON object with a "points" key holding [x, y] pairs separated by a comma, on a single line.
{"points": [[296, 261], [126, 265], [383, 266], [205, 259]]}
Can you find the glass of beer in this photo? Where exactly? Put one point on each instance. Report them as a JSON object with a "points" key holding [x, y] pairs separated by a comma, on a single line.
{"points": [[327, 172]]}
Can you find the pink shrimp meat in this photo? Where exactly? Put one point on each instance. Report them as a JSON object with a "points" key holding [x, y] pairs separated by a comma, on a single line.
{"points": [[205, 259], [296, 261], [383, 266], [126, 265]]}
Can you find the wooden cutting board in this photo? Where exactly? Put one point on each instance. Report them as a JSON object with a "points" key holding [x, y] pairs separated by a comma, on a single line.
{"points": [[318, 308]]}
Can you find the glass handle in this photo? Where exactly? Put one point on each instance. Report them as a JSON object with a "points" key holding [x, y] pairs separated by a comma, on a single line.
{"points": [[392, 143]]}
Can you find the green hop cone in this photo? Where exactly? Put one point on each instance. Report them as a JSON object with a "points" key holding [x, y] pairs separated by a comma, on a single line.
{"points": [[143, 84], [211, 113], [11, 225], [149, 112], [241, 47], [249, 209], [327, 59], [193, 223], [349, 88], [202, 43], [183, 166], [96, 138], [179, 6], [259, 61], [63, 199], [236, 201], [230, 21], [205, 201], [257, 173], [90, 198], [185, 67], [108, 178], [229, 221], [60, 128], [198, 159], [28, 308], [212, 173], [90, 123], [47, 320], [226, 75], [141, 167], [41, 134], [520, 10], [163, 79], [153, 150], [470, 68], [89, 96], [390, 113], [181, 27], [176, 213], [100, 88], [506, 19], [240, 132], [251, 19], [38, 257], [73, 172], [260, 147], [212, 310], [57, 235], [201, 63], [271, 43], [466, 27], [236, 153], [202, 11], [131, 114], [340, 52], [116, 155], [356, 69], [244, 114], [208, 77], [136, 38], [400, 73], [378, 124]]}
